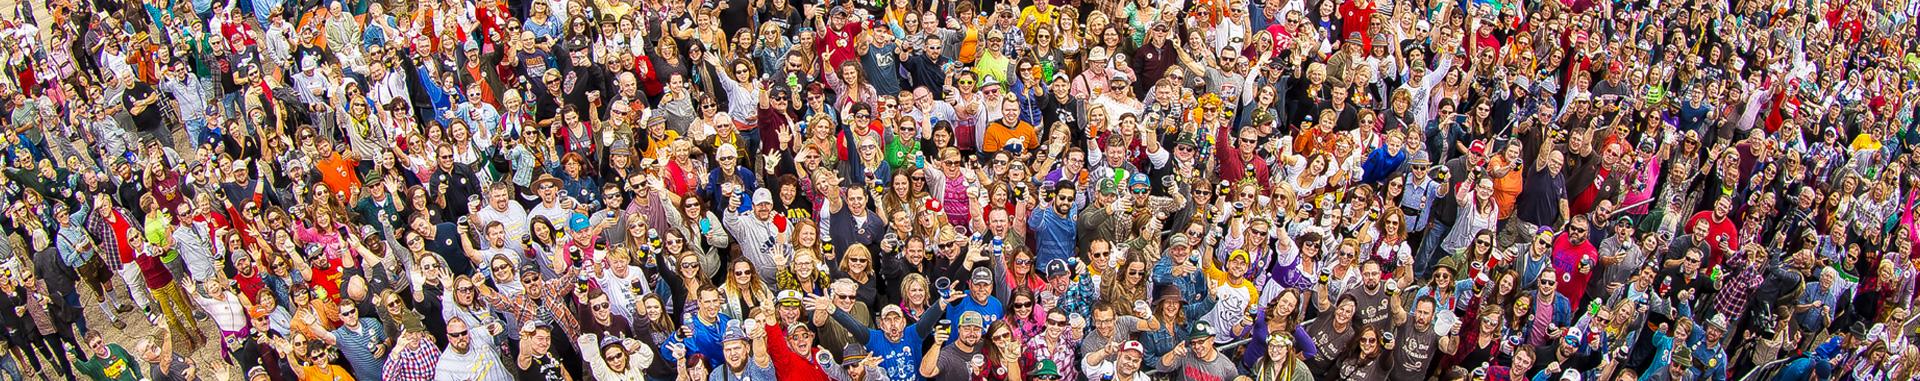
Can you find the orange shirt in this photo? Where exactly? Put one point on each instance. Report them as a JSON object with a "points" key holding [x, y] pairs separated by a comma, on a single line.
{"points": [[338, 173], [1506, 189], [998, 134]]}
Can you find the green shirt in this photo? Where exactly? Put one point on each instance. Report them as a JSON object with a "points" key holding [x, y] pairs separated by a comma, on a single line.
{"points": [[119, 366]]}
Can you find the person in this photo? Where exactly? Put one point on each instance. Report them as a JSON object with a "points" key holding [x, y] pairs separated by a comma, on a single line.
{"points": [[1378, 182], [469, 355], [162, 362], [610, 357], [1198, 358], [106, 362]]}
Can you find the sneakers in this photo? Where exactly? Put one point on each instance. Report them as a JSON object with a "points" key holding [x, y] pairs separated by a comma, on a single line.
{"points": [[123, 309], [117, 324]]}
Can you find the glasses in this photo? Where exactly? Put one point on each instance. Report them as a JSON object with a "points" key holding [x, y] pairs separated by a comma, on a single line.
{"points": [[464, 289], [1136, 272], [843, 297], [601, 306], [1099, 253], [857, 260], [1057, 323], [1023, 261], [743, 272], [348, 313], [1027, 304], [456, 335], [689, 265]]}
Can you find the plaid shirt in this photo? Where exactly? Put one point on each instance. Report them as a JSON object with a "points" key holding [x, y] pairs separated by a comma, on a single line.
{"points": [[413, 363], [1078, 298], [1733, 291], [554, 308]]}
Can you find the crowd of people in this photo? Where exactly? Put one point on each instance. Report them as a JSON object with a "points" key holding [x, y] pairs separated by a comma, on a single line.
{"points": [[646, 190]]}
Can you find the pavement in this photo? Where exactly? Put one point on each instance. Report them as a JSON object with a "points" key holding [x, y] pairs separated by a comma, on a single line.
{"points": [[210, 365]]}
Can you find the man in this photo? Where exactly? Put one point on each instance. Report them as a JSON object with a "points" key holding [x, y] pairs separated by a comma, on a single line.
{"points": [[790, 344], [709, 326], [895, 342], [413, 359], [852, 224], [106, 362], [954, 361], [1198, 359], [452, 183], [1052, 228], [1415, 344], [1152, 59], [1374, 302], [470, 356], [500, 208], [1574, 259], [162, 362], [744, 361], [979, 299], [754, 234], [1009, 131], [362, 341], [1124, 366]]}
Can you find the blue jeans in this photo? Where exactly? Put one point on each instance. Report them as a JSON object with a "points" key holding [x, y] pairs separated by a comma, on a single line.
{"points": [[197, 131], [232, 104], [1424, 258], [12, 367]]}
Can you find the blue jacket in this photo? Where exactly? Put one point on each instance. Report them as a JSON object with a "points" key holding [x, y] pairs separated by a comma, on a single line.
{"points": [[1053, 234]]}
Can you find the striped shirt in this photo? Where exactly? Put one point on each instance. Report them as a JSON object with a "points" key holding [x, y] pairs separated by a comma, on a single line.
{"points": [[357, 346]]}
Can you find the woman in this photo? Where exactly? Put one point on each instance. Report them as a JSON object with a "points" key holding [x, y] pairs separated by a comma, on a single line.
{"points": [[703, 232], [615, 359], [1282, 362], [653, 315], [1365, 361], [803, 274], [1484, 343], [915, 296], [577, 180], [680, 283], [744, 291], [318, 364], [1024, 313], [1478, 212], [1020, 273], [1451, 296], [857, 265], [1281, 318], [1333, 336], [1129, 286], [1003, 354]]}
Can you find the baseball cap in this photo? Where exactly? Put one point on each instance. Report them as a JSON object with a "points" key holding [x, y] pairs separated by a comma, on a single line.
{"points": [[762, 196], [1201, 330], [1056, 267], [1179, 240], [891, 309], [972, 319], [982, 275]]}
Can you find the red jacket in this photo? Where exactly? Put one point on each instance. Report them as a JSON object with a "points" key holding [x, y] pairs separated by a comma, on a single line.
{"points": [[792, 366]]}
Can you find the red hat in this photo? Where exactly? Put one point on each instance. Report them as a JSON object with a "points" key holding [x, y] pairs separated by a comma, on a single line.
{"points": [[1479, 147]]}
